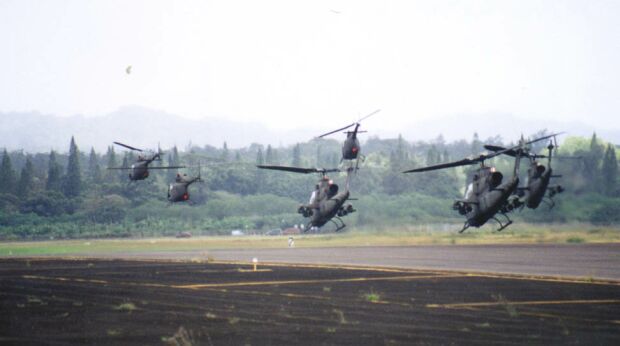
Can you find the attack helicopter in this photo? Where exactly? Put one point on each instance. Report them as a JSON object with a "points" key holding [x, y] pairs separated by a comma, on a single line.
{"points": [[351, 147], [487, 194], [179, 190], [538, 179], [140, 169], [326, 202]]}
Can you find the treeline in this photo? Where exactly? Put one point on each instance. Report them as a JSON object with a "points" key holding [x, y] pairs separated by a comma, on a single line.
{"points": [[73, 194]]}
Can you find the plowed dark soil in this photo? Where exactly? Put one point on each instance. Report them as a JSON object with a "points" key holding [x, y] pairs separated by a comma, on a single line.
{"points": [[95, 301]]}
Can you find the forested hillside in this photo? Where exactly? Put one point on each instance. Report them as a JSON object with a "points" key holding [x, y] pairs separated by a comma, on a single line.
{"points": [[73, 194]]}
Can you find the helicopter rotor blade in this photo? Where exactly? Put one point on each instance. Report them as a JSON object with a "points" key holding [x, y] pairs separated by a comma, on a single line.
{"points": [[463, 162], [340, 129], [512, 152], [298, 169], [346, 127], [369, 115], [127, 146], [480, 158], [167, 167]]}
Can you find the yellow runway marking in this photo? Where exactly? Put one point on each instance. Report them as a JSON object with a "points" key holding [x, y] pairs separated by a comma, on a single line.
{"points": [[545, 279], [564, 317], [297, 282], [37, 277], [515, 276], [536, 302], [240, 284]]}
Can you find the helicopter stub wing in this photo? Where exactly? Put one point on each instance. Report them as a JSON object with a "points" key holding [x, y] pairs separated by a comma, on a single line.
{"points": [[466, 201]]}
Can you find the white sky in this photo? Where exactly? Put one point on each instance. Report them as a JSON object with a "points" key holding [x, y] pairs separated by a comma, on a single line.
{"points": [[294, 63]]}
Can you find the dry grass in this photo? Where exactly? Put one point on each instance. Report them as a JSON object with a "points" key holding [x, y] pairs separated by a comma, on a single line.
{"points": [[406, 236]]}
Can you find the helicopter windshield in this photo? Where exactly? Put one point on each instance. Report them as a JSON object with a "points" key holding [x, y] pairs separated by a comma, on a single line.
{"points": [[312, 197], [469, 191]]}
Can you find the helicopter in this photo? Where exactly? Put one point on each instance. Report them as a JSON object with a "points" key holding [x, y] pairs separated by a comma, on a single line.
{"points": [[140, 169], [326, 202], [538, 179], [351, 147], [179, 190], [487, 194]]}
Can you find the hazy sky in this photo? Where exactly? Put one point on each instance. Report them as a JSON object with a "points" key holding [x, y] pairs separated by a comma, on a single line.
{"points": [[293, 63]]}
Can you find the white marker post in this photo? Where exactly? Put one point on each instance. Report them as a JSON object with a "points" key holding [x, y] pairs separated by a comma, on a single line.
{"points": [[255, 262]]}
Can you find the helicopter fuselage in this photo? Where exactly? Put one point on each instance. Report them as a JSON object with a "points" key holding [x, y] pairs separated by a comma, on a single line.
{"points": [[328, 209], [178, 191], [351, 147], [537, 185], [139, 170], [489, 203]]}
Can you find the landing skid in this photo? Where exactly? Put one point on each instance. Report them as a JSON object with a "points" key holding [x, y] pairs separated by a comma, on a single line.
{"points": [[465, 226], [550, 202], [502, 226], [338, 227]]}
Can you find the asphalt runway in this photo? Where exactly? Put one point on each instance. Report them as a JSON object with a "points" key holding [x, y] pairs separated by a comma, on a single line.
{"points": [[104, 301], [567, 260]]}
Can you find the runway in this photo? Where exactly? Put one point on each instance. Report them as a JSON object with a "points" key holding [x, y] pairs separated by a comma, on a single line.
{"points": [[566, 260], [105, 301]]}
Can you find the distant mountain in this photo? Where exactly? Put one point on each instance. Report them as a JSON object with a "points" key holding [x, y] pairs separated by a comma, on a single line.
{"points": [[137, 126], [145, 128], [508, 126]]}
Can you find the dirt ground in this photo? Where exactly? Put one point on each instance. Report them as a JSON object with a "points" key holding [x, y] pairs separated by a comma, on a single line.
{"points": [[106, 301]]}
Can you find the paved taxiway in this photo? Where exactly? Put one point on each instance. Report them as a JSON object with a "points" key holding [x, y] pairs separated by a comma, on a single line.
{"points": [[573, 260]]}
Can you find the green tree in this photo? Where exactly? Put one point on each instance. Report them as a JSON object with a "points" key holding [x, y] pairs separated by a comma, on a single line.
{"points": [[110, 175], [610, 171], [94, 170], [7, 175], [173, 160], [269, 158], [225, 152], [72, 184], [26, 180], [54, 172], [260, 174], [592, 163], [446, 156], [297, 155], [476, 145]]}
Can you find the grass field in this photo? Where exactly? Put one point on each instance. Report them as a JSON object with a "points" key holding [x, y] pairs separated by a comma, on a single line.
{"points": [[414, 235]]}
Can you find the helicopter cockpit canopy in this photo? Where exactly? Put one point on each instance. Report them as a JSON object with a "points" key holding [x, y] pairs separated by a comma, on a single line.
{"points": [[332, 190], [495, 179]]}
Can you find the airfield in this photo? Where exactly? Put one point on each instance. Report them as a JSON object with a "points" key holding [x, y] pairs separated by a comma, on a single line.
{"points": [[501, 294]]}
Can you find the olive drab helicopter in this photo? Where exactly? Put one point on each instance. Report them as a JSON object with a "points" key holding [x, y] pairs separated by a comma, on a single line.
{"points": [[326, 202], [538, 179], [179, 190], [140, 168], [487, 194], [351, 146]]}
